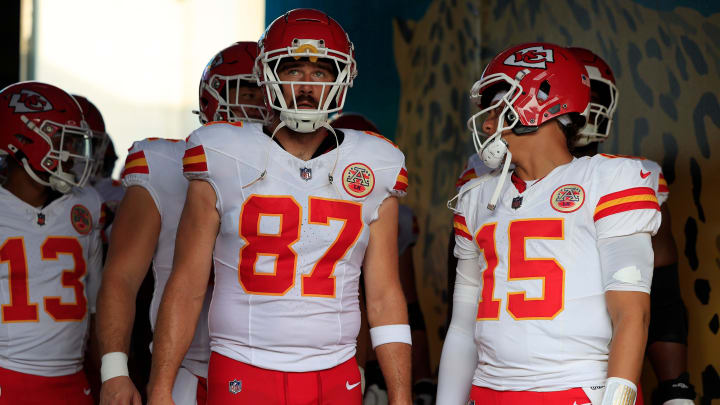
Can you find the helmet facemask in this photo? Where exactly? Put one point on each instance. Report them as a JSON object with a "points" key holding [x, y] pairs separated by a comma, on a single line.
{"points": [[69, 161], [332, 94], [100, 141], [601, 109], [494, 94], [229, 107]]}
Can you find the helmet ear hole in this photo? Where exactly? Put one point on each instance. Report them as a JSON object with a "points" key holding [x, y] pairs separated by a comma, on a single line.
{"points": [[543, 91], [23, 139]]}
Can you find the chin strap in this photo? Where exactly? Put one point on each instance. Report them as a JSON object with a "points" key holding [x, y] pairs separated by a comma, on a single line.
{"points": [[331, 179], [56, 182], [452, 203], [501, 182], [267, 155]]}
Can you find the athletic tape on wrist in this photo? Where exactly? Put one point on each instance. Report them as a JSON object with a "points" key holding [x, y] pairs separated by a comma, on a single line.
{"points": [[113, 365], [619, 391], [380, 335]]}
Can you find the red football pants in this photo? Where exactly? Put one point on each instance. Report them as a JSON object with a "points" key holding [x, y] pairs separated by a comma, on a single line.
{"points": [[486, 396], [201, 391], [233, 382], [574, 396], [28, 389]]}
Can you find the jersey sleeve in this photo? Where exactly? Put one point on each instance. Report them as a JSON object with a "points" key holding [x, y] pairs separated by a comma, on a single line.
{"points": [[661, 187], [202, 162], [467, 174], [624, 198], [464, 245], [387, 166], [663, 192], [137, 170], [401, 183], [407, 228]]}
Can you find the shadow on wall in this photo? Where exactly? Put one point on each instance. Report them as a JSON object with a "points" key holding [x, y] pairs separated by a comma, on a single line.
{"points": [[667, 64]]}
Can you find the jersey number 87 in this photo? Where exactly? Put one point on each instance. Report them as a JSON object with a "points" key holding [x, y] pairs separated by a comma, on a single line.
{"points": [[320, 282]]}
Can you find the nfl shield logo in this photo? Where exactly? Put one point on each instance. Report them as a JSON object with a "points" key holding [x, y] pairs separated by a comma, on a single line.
{"points": [[235, 386], [305, 173], [516, 202]]}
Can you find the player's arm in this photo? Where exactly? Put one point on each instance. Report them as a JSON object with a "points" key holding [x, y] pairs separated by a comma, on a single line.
{"points": [[630, 315], [626, 263], [663, 243], [134, 236], [386, 306], [667, 336], [459, 354], [185, 290]]}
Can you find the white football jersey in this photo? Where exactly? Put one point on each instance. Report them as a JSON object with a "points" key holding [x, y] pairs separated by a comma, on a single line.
{"points": [[474, 168], [542, 322], [156, 165], [288, 254], [111, 192], [662, 191], [50, 264]]}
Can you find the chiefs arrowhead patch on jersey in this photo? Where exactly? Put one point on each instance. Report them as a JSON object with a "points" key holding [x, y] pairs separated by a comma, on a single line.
{"points": [[567, 198], [81, 219], [358, 180]]}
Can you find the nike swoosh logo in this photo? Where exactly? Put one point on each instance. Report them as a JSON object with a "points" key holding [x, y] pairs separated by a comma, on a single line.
{"points": [[349, 387], [86, 391], [644, 175]]}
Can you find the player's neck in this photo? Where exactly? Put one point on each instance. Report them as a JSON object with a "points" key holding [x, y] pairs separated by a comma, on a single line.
{"points": [[301, 145], [540, 157], [25, 188]]}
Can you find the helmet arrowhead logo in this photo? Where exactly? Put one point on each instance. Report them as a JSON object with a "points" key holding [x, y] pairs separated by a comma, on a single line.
{"points": [[28, 101], [532, 57]]}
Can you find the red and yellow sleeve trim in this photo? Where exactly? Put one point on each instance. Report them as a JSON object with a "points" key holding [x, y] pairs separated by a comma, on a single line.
{"points": [[460, 226], [466, 176], [375, 134], [662, 185], [195, 160], [401, 184], [135, 163], [637, 198]]}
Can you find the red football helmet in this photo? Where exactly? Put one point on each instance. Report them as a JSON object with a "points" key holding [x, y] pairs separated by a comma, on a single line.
{"points": [[604, 97], [530, 84], [353, 121], [43, 129], [100, 139], [221, 80], [312, 34]]}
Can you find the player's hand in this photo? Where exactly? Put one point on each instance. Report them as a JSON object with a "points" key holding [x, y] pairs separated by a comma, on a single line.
{"points": [[119, 391]]}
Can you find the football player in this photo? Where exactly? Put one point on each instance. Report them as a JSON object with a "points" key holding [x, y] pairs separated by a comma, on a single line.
{"points": [[554, 258], [50, 249], [146, 225], [667, 336], [100, 178], [288, 214], [408, 233], [103, 155]]}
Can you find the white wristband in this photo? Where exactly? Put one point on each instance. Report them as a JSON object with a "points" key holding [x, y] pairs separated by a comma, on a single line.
{"points": [[380, 335], [113, 365], [619, 391]]}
